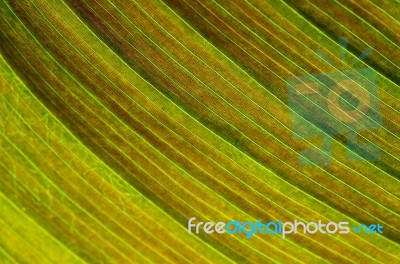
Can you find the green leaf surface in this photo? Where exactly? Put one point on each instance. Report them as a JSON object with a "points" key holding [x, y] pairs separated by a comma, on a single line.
{"points": [[121, 120]]}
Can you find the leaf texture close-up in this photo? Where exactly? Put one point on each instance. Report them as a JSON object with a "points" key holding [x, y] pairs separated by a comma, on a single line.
{"points": [[126, 123]]}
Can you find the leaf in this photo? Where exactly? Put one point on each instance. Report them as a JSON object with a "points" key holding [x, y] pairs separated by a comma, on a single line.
{"points": [[122, 120]]}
